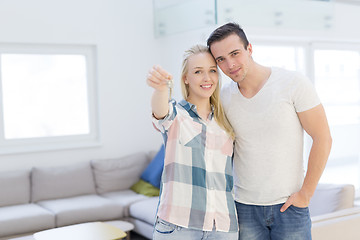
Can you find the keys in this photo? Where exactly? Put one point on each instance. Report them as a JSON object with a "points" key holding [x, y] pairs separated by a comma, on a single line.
{"points": [[170, 85]]}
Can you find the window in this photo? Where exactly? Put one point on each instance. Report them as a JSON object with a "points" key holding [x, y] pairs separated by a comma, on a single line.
{"points": [[288, 57], [48, 98], [337, 79]]}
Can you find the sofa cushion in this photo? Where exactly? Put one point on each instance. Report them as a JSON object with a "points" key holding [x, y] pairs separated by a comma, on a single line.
{"points": [[124, 198], [62, 182], [329, 198], [145, 210], [152, 173], [145, 188], [87, 208], [14, 187], [24, 218], [119, 173]]}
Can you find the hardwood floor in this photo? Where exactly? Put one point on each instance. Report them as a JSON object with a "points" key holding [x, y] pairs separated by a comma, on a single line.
{"points": [[135, 236]]}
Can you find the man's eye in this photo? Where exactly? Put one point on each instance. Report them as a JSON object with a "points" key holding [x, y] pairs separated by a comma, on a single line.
{"points": [[213, 71]]}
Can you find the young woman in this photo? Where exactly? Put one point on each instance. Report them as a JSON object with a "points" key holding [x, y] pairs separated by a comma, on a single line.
{"points": [[196, 199]]}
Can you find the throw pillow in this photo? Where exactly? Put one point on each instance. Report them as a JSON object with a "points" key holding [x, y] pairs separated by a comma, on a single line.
{"points": [[62, 181], [116, 174], [152, 174], [145, 188], [14, 187]]}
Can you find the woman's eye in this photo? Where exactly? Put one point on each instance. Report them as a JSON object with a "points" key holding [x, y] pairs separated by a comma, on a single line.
{"points": [[197, 72]]}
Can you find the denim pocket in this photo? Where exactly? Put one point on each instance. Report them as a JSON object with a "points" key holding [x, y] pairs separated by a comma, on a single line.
{"points": [[300, 210], [164, 227]]}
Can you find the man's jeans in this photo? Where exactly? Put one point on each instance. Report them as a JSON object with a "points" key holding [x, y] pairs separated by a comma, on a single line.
{"points": [[267, 222], [165, 230]]}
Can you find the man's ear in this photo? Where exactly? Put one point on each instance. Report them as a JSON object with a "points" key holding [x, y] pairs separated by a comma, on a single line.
{"points": [[249, 49]]}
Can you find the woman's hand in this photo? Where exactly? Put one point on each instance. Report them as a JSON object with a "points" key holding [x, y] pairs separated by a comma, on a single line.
{"points": [[158, 78]]}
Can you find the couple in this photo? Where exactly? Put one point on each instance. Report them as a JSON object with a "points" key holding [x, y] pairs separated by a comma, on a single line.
{"points": [[267, 110]]}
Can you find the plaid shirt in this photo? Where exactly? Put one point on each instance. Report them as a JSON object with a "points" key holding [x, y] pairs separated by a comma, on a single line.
{"points": [[197, 182]]}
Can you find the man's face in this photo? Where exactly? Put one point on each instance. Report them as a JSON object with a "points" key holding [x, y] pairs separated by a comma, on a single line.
{"points": [[232, 57]]}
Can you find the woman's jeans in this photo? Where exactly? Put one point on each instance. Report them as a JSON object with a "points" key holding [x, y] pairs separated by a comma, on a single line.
{"points": [[267, 222], [165, 230]]}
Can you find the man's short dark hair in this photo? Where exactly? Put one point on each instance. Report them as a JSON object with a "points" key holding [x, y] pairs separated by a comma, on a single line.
{"points": [[226, 30]]}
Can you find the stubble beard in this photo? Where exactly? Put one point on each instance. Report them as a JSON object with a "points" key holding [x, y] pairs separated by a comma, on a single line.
{"points": [[239, 78]]}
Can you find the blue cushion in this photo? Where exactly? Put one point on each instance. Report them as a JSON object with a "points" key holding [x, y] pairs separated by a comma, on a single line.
{"points": [[152, 174]]}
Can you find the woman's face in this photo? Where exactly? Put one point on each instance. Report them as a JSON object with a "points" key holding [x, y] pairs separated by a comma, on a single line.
{"points": [[202, 76]]}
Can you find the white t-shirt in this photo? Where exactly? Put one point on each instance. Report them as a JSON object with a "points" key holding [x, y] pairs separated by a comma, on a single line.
{"points": [[268, 156]]}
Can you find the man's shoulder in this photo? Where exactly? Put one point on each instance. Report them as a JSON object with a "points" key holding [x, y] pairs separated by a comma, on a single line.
{"points": [[287, 77]]}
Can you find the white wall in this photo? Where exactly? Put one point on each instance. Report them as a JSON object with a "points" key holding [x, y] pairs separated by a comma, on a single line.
{"points": [[123, 35], [122, 30]]}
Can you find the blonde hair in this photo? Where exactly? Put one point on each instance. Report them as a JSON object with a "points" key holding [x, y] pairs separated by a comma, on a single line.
{"points": [[215, 101]]}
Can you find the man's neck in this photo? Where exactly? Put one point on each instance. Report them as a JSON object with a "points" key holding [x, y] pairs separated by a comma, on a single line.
{"points": [[255, 80]]}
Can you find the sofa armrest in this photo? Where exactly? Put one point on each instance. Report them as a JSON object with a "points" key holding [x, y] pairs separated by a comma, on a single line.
{"points": [[330, 198], [343, 224]]}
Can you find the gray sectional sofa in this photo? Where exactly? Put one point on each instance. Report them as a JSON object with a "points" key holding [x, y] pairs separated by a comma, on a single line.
{"points": [[99, 190]]}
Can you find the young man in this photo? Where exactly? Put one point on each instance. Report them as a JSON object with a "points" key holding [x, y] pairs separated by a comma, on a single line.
{"points": [[269, 109]]}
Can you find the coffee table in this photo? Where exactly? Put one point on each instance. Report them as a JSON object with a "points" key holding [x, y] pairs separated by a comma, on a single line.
{"points": [[123, 225], [83, 231]]}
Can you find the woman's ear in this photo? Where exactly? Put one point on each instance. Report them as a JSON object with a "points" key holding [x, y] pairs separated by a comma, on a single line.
{"points": [[185, 80]]}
